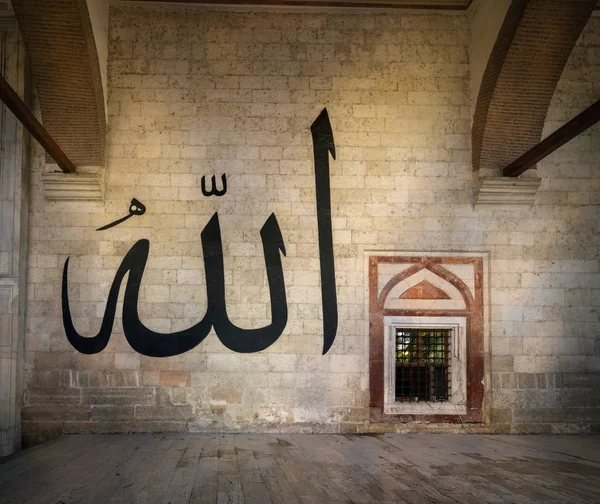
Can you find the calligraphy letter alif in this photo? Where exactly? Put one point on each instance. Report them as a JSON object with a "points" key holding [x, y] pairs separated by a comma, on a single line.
{"points": [[323, 145], [155, 344]]}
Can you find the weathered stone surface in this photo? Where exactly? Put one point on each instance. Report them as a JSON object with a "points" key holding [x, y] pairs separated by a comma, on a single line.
{"points": [[583, 415], [55, 412], [118, 396], [580, 380], [174, 379], [502, 364], [164, 413], [507, 191], [526, 381], [73, 186], [110, 413], [193, 94], [226, 395], [583, 398], [501, 416]]}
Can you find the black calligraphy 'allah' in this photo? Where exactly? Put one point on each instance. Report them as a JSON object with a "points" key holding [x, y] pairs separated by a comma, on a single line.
{"points": [[155, 344]]}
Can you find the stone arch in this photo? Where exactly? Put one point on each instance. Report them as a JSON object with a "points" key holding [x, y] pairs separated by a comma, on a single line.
{"points": [[436, 269], [425, 291]]}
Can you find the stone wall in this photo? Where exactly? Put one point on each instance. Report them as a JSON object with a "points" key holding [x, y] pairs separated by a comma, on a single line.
{"points": [[14, 195], [196, 93], [546, 287]]}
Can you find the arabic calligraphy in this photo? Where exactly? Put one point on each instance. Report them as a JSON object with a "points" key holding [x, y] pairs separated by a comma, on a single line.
{"points": [[155, 344], [135, 208], [214, 189], [323, 145]]}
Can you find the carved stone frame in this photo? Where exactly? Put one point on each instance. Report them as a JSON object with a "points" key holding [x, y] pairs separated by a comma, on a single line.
{"points": [[474, 338]]}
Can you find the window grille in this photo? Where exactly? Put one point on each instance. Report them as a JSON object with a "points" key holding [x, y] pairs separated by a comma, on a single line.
{"points": [[422, 365]]}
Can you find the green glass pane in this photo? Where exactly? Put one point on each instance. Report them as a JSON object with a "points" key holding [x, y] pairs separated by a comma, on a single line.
{"points": [[406, 345]]}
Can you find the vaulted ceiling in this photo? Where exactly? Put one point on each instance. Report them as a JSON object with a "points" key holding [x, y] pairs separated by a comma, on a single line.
{"points": [[60, 43], [525, 64]]}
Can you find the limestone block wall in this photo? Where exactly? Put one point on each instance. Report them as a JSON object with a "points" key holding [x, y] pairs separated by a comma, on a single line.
{"points": [[195, 93], [546, 281]]}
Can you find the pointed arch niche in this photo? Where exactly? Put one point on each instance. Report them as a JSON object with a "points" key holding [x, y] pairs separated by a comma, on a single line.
{"points": [[428, 291]]}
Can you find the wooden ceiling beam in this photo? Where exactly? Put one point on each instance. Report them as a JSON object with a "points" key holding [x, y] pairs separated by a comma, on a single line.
{"points": [[18, 107], [362, 4], [561, 136]]}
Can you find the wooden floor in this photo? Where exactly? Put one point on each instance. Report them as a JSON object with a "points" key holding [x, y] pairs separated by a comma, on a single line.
{"points": [[304, 468]]}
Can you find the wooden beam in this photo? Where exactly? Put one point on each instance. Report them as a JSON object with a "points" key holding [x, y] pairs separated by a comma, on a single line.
{"points": [[561, 136], [359, 4], [23, 114]]}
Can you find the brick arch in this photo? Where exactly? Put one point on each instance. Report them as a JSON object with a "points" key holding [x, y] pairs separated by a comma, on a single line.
{"points": [[60, 43], [530, 53]]}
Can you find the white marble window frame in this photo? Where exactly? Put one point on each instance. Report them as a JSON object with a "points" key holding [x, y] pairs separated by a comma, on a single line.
{"points": [[457, 405]]}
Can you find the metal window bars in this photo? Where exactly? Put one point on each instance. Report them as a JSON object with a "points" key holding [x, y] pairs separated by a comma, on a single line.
{"points": [[422, 365]]}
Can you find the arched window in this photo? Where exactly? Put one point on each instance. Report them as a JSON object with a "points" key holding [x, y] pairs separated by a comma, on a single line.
{"points": [[426, 337]]}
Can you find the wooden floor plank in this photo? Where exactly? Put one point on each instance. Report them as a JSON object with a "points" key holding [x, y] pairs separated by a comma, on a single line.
{"points": [[296, 479], [134, 486], [254, 489], [371, 478], [19, 464], [97, 482], [181, 485], [278, 488], [43, 451], [245, 459], [304, 469], [156, 486], [378, 451], [288, 456], [79, 484], [42, 475], [119, 476], [204, 488], [229, 482], [312, 454]]}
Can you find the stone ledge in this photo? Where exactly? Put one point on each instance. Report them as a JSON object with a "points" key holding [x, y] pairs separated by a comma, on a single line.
{"points": [[507, 191], [73, 186]]}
